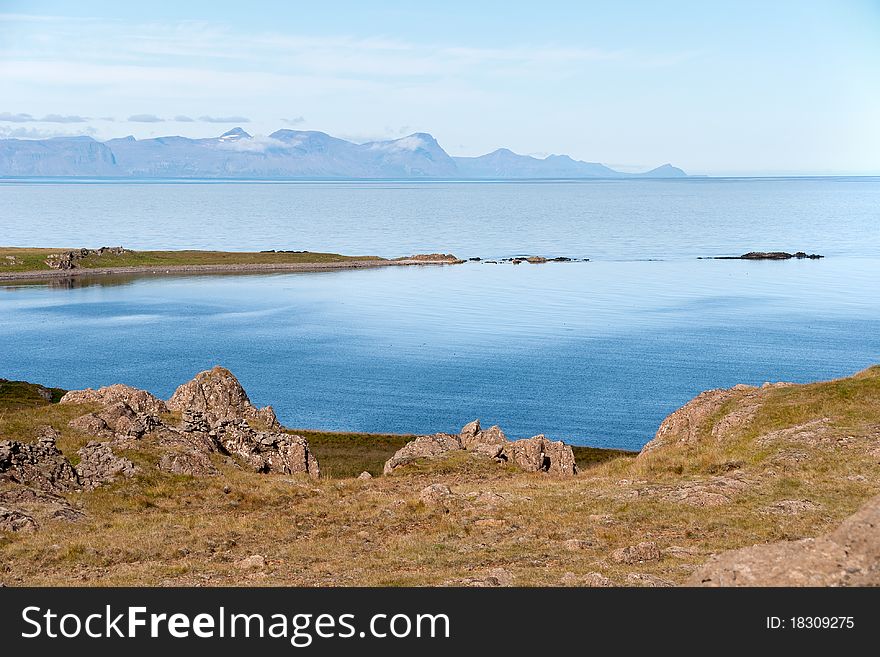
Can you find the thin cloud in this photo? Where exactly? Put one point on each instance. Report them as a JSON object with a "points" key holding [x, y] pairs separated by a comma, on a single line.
{"points": [[295, 120], [59, 118], [181, 118], [39, 133], [224, 119], [145, 118], [8, 117]]}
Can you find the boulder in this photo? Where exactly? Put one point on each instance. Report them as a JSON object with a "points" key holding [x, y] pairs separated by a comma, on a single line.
{"points": [[435, 495], [253, 562], [99, 465], [40, 504], [472, 436], [219, 395], [646, 580], [268, 451], [848, 556], [90, 424], [190, 462], [13, 520], [39, 464], [117, 419], [538, 454], [535, 454], [365, 476], [422, 447], [139, 401], [644, 551]]}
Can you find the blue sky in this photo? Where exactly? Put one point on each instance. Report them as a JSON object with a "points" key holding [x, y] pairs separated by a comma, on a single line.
{"points": [[714, 87]]}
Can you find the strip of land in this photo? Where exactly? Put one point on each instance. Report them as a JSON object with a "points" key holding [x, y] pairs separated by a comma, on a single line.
{"points": [[46, 263]]}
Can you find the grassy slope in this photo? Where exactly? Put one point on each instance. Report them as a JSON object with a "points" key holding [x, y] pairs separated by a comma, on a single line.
{"points": [[163, 529], [21, 394], [34, 259]]}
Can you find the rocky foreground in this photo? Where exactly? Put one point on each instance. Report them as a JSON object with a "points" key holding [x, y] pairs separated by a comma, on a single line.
{"points": [[745, 486]]}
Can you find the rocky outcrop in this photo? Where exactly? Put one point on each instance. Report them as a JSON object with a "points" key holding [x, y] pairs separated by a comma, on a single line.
{"points": [[688, 424], [536, 454], [422, 447], [70, 259], [39, 464], [848, 556], [13, 520], [191, 462], [139, 401], [435, 495], [778, 255], [640, 553], [489, 441], [39, 504], [219, 395], [216, 416], [269, 451], [99, 465], [117, 420]]}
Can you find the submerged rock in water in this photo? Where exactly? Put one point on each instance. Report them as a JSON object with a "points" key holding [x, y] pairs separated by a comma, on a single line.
{"points": [[772, 255]]}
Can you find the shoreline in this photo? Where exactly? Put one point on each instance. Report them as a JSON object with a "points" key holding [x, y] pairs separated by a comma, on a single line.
{"points": [[160, 270]]}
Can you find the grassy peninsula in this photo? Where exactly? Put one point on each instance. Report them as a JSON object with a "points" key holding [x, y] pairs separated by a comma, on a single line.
{"points": [[22, 263]]}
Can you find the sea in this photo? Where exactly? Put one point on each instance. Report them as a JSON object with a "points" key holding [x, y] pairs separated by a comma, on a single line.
{"points": [[596, 351]]}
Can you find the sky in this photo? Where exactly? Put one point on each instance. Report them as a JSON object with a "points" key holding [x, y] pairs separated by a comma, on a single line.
{"points": [[718, 88]]}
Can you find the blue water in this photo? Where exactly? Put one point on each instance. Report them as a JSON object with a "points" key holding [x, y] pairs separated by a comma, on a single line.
{"points": [[591, 352]]}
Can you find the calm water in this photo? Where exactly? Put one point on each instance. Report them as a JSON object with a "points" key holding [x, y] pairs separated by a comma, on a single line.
{"points": [[595, 353]]}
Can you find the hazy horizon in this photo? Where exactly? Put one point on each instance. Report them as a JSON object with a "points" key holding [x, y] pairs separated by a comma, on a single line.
{"points": [[744, 89]]}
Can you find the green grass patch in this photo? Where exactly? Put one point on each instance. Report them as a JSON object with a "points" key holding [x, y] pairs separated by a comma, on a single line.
{"points": [[21, 394], [343, 454]]}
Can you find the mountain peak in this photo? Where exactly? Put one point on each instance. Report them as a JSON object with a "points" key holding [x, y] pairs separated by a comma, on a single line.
{"points": [[665, 171], [235, 133]]}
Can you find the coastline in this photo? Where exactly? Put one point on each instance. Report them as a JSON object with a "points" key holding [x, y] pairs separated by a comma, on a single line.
{"points": [[160, 270]]}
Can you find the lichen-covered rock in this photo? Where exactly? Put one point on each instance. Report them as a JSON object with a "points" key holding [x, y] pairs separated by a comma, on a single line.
{"points": [[268, 451], [472, 436], [39, 464], [140, 401], [90, 424], [644, 551], [848, 556], [13, 520], [116, 420], [219, 395], [39, 504], [435, 495], [99, 465], [538, 454], [190, 462], [422, 447], [535, 454]]}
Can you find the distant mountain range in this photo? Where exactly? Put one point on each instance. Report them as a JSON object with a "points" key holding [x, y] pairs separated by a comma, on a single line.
{"points": [[284, 154]]}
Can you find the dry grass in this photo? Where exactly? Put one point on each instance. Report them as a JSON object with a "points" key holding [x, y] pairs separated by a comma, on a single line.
{"points": [[158, 529]]}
